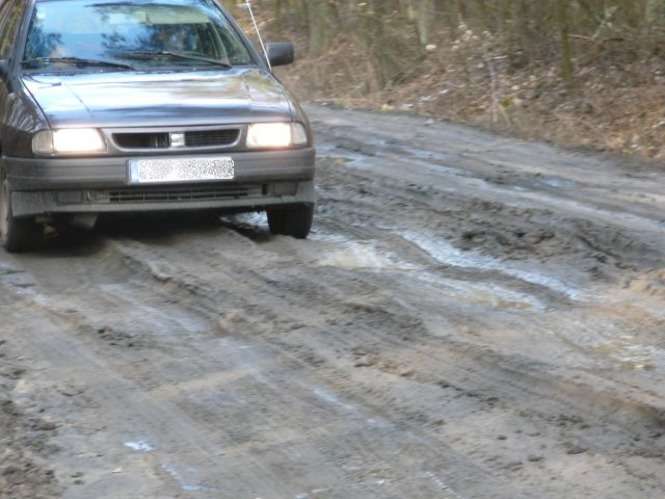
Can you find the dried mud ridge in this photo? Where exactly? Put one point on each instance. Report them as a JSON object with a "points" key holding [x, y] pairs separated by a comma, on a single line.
{"points": [[473, 317]]}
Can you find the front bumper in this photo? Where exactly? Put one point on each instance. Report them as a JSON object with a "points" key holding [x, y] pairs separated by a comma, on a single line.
{"points": [[101, 185]]}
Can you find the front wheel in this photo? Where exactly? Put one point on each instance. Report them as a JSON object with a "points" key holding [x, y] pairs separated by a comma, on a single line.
{"points": [[294, 221], [16, 234]]}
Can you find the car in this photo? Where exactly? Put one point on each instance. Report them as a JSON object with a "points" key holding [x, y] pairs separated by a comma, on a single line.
{"points": [[127, 106]]}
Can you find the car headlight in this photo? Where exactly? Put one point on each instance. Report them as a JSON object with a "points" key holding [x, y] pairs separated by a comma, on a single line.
{"points": [[74, 141], [276, 135]]}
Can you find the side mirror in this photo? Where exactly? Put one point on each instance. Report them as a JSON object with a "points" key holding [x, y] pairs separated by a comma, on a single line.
{"points": [[281, 54]]}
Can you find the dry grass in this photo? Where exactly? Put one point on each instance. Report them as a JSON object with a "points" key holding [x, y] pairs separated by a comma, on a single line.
{"points": [[616, 104]]}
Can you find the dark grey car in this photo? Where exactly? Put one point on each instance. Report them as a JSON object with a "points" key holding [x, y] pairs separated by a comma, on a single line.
{"points": [[144, 105]]}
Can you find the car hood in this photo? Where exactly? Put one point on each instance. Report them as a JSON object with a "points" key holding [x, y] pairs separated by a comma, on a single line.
{"points": [[167, 99]]}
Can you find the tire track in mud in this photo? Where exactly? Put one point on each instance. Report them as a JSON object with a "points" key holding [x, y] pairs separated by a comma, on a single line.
{"points": [[259, 317], [189, 287], [511, 365], [431, 455], [449, 163], [365, 316], [473, 223]]}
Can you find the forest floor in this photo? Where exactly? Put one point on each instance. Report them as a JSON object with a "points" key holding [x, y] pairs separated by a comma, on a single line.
{"points": [[615, 103], [473, 317]]}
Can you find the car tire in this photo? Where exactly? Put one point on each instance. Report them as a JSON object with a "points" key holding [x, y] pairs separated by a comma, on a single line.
{"points": [[295, 221], [17, 235]]}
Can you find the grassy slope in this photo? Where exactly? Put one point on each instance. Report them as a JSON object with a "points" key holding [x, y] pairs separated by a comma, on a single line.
{"points": [[616, 104]]}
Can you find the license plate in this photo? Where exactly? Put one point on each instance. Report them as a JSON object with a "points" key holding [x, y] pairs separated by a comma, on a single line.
{"points": [[159, 171]]}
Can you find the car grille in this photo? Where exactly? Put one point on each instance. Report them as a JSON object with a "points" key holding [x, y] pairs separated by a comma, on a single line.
{"points": [[173, 194], [142, 140], [162, 140], [208, 138]]}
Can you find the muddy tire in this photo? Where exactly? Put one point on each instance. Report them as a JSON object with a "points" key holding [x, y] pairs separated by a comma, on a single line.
{"points": [[16, 234], [294, 221]]}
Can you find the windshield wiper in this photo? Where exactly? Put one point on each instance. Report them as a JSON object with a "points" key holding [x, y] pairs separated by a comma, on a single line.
{"points": [[144, 54], [39, 61]]}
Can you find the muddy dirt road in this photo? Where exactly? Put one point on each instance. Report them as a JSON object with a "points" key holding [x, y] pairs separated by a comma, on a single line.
{"points": [[473, 317]]}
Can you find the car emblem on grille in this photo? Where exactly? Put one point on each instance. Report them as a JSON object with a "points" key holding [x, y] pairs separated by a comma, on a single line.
{"points": [[177, 140]]}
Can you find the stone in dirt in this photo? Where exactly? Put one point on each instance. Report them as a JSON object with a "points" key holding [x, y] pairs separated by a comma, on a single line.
{"points": [[576, 450], [365, 361]]}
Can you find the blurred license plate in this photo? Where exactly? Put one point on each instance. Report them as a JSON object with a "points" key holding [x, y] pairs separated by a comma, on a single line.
{"points": [[157, 171]]}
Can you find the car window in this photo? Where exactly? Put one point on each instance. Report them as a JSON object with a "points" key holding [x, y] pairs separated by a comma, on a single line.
{"points": [[10, 19], [121, 30]]}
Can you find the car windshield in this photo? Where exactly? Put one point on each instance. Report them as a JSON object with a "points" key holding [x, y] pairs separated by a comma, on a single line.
{"points": [[141, 34]]}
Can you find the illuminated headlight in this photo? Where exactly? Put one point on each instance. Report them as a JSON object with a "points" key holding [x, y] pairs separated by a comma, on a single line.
{"points": [[276, 135], [75, 141]]}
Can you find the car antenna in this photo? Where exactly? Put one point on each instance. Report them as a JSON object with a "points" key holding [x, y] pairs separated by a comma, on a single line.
{"points": [[248, 3]]}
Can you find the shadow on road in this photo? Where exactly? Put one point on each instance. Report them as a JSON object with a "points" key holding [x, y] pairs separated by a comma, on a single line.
{"points": [[160, 229]]}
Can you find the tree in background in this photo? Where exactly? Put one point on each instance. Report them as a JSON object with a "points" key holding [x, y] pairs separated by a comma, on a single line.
{"points": [[395, 35]]}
